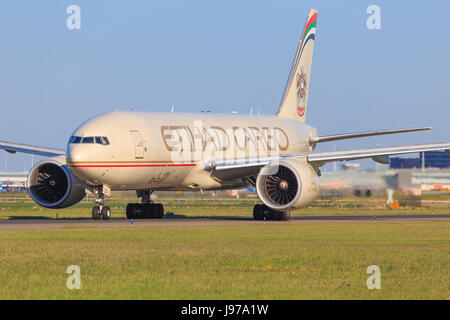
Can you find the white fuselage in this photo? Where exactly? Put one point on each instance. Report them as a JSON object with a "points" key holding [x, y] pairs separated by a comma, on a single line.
{"points": [[168, 151]]}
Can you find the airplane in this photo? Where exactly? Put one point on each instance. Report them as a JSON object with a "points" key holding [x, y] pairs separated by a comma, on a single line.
{"points": [[154, 151]]}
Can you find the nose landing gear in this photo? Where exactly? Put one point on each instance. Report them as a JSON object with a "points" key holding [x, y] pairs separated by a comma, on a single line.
{"points": [[101, 211], [146, 209]]}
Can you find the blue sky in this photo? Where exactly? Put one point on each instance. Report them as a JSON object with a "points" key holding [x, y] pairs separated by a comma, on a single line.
{"points": [[222, 56]]}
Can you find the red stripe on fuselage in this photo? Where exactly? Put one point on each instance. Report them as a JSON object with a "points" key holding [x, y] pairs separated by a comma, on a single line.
{"points": [[130, 165]]}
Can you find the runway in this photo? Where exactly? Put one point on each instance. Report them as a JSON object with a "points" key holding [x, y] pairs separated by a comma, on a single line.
{"points": [[43, 223]]}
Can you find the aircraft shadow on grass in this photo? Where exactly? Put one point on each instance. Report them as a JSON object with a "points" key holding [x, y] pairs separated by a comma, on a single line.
{"points": [[172, 216], [166, 217], [182, 216], [29, 218]]}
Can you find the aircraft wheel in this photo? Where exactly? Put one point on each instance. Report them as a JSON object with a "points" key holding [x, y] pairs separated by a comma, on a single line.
{"points": [[138, 211], [148, 209], [279, 215], [159, 211], [106, 213], [258, 213], [284, 216], [96, 212], [261, 211], [130, 211]]}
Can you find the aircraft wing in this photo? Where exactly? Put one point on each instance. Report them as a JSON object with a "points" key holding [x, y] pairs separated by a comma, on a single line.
{"points": [[226, 171], [26, 148], [250, 167]]}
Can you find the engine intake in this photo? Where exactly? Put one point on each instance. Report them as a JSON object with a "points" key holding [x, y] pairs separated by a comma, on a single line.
{"points": [[51, 185], [281, 187], [288, 185]]}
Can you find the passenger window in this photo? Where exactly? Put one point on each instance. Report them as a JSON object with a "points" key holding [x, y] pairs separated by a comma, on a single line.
{"points": [[88, 140]]}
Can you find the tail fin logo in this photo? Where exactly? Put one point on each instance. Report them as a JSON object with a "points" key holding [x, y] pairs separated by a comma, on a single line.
{"points": [[301, 92], [294, 101]]}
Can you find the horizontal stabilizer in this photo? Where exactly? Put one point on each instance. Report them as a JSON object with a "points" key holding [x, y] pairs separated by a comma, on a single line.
{"points": [[320, 158], [313, 140]]}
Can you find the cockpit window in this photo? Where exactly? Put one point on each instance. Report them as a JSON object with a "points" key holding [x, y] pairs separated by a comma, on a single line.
{"points": [[106, 141], [88, 140], [75, 139], [97, 140]]}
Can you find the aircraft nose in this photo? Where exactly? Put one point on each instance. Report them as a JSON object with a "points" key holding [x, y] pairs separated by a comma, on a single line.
{"points": [[75, 154], [83, 156], [76, 158]]}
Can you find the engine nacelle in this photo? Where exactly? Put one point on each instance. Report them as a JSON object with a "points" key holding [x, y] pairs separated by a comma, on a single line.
{"points": [[51, 185], [288, 185]]}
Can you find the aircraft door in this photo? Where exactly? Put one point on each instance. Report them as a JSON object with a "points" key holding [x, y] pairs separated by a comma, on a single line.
{"points": [[138, 144]]}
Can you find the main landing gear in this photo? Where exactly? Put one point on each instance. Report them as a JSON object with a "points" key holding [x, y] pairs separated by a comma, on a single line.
{"points": [[261, 212], [146, 209], [101, 211]]}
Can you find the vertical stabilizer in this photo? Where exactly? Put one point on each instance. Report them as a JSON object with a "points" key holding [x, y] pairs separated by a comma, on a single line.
{"points": [[295, 98]]}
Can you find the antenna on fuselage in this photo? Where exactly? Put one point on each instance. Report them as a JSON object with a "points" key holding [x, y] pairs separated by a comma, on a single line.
{"points": [[172, 108]]}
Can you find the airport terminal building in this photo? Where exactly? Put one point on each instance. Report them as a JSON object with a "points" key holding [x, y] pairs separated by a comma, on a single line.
{"points": [[431, 159], [13, 181]]}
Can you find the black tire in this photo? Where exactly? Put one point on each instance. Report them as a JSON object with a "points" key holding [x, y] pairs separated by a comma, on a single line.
{"points": [[148, 210], [138, 211], [284, 216], [106, 213], [266, 213], [258, 213], [130, 211], [274, 215], [96, 212], [159, 211], [279, 215]]}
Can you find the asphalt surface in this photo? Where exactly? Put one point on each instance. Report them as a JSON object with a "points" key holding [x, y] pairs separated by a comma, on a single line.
{"points": [[44, 223]]}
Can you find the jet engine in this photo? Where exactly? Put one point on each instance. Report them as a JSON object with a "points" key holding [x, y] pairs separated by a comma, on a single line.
{"points": [[288, 185], [51, 185]]}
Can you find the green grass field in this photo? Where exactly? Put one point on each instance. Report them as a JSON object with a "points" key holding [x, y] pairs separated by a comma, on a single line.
{"points": [[265, 261], [261, 261]]}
